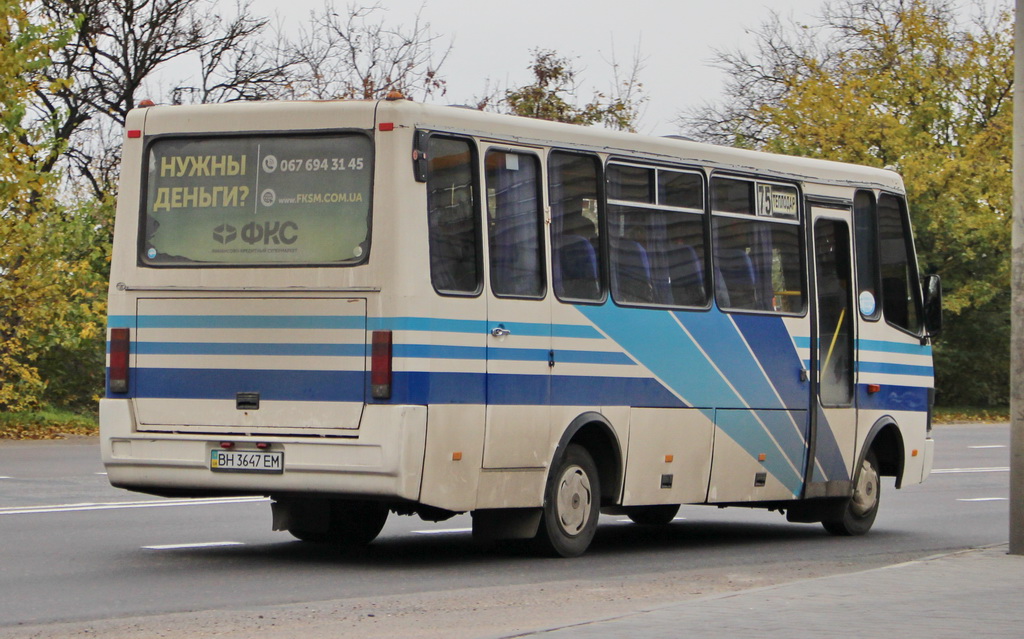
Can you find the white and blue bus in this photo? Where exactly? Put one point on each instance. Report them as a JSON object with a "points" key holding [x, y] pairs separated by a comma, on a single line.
{"points": [[358, 308]]}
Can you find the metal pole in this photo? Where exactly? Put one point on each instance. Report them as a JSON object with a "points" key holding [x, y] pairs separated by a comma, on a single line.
{"points": [[1017, 299]]}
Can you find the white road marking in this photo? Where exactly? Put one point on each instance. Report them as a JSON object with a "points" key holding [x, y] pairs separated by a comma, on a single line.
{"points": [[986, 499], [629, 521], [104, 474], [208, 544], [947, 471], [988, 446], [442, 531], [162, 503], [5, 477]]}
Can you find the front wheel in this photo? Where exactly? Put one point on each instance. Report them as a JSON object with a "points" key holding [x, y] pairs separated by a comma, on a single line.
{"points": [[860, 509], [572, 504]]}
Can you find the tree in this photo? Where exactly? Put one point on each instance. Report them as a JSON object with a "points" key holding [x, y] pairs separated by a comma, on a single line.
{"points": [[354, 55], [903, 84], [72, 70], [30, 301], [552, 95], [79, 67], [121, 46], [117, 48]]}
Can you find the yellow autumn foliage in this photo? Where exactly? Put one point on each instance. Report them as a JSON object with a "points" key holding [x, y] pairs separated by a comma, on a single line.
{"points": [[34, 265]]}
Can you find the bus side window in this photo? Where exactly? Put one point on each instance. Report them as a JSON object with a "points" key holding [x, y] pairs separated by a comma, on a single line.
{"points": [[865, 219], [901, 294], [575, 228], [451, 217], [758, 264], [656, 236], [514, 221]]}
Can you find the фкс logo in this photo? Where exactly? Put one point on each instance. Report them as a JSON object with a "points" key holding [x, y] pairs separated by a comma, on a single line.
{"points": [[224, 233]]}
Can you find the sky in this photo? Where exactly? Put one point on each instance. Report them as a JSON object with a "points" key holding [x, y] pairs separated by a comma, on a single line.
{"points": [[492, 41]]}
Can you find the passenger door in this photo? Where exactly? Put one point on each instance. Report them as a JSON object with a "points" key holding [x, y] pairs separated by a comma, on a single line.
{"points": [[518, 313], [834, 424]]}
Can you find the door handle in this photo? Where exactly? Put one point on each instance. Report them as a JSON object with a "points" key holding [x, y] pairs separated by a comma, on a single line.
{"points": [[500, 331]]}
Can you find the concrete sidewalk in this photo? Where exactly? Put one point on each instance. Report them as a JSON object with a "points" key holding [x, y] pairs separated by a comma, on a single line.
{"points": [[975, 593]]}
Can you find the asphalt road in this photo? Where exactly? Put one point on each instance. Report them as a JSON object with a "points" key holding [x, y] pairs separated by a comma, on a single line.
{"points": [[76, 551]]}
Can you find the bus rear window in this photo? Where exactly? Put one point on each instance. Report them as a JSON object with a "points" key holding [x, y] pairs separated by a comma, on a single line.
{"points": [[274, 200]]}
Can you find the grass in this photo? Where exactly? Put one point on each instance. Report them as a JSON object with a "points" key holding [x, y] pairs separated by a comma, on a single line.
{"points": [[969, 414], [47, 423]]}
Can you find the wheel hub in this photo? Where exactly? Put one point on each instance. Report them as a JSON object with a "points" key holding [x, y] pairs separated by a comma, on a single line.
{"points": [[574, 500], [865, 494]]}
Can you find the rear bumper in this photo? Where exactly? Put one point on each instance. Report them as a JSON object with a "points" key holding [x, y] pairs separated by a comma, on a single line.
{"points": [[383, 459]]}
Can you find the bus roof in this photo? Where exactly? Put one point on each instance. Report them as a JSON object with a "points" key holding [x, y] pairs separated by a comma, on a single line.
{"points": [[252, 117]]}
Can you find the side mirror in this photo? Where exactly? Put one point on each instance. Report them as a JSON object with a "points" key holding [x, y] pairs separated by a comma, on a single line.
{"points": [[932, 305]]}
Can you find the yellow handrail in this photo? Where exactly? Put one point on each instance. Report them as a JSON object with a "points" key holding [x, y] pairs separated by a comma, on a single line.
{"points": [[835, 337]]}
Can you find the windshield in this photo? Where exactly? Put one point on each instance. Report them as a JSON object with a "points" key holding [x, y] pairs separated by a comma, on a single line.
{"points": [[270, 200]]}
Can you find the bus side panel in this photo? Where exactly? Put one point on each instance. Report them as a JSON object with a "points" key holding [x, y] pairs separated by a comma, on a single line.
{"points": [[917, 446], [901, 367], [453, 456], [512, 488], [767, 472], [669, 457], [744, 369], [736, 477]]}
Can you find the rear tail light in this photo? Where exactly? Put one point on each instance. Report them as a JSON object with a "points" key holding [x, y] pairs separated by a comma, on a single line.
{"points": [[120, 346], [380, 365]]}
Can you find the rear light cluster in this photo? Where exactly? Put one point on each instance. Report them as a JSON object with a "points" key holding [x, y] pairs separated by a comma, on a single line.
{"points": [[380, 365], [120, 348]]}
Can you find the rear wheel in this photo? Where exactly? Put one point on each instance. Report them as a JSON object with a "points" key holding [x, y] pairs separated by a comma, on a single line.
{"points": [[652, 515], [572, 504], [351, 523], [858, 515]]}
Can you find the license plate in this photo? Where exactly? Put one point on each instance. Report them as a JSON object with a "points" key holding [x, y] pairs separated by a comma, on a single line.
{"points": [[246, 461]]}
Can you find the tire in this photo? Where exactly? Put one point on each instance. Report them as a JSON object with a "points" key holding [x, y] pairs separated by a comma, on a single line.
{"points": [[352, 524], [859, 511], [653, 515], [307, 536], [572, 505]]}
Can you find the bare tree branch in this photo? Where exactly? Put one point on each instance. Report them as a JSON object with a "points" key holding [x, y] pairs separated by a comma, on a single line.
{"points": [[355, 54]]}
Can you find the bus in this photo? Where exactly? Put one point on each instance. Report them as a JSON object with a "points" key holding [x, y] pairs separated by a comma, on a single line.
{"points": [[357, 308]]}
